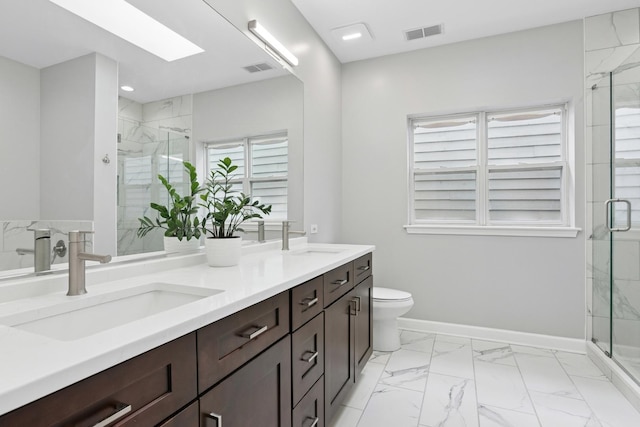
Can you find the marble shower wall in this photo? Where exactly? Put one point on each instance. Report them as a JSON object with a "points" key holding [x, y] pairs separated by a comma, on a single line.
{"points": [[144, 131], [612, 40], [19, 234]]}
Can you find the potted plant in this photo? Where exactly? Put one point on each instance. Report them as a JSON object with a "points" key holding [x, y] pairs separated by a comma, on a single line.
{"points": [[226, 210], [179, 219]]}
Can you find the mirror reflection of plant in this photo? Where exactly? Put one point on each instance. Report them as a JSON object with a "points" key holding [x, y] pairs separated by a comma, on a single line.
{"points": [[178, 219], [227, 209]]}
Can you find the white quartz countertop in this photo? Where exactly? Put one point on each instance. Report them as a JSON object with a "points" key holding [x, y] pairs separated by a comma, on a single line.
{"points": [[32, 366]]}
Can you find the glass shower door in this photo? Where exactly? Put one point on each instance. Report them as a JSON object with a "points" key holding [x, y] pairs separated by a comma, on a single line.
{"points": [[623, 218]]}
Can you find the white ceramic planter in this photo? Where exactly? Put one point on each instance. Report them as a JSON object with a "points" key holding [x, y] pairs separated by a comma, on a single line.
{"points": [[172, 245], [223, 252]]}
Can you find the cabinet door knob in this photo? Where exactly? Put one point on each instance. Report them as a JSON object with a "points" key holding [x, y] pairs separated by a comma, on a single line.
{"points": [[121, 410], [311, 422], [215, 417], [254, 331], [309, 302]]}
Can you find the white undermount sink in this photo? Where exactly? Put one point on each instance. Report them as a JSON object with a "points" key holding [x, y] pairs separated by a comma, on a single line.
{"points": [[90, 314]]}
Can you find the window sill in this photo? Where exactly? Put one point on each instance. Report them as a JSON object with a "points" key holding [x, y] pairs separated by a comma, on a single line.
{"points": [[470, 230]]}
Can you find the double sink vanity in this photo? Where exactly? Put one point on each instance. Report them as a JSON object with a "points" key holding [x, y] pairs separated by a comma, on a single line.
{"points": [[276, 341]]}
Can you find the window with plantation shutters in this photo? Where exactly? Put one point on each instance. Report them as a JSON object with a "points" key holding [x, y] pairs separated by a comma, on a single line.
{"points": [[490, 169], [262, 168], [627, 162]]}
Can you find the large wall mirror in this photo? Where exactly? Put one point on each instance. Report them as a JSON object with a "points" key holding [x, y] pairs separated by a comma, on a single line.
{"points": [[76, 151]]}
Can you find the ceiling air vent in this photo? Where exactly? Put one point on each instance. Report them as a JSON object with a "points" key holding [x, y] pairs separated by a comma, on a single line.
{"points": [[420, 33], [256, 68]]}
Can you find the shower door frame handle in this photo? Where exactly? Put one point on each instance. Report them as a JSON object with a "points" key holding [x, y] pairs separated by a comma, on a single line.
{"points": [[607, 212]]}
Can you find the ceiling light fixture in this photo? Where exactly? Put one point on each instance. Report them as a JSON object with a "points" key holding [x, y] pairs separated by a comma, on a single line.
{"points": [[354, 32], [131, 24], [273, 43], [127, 88], [351, 36]]}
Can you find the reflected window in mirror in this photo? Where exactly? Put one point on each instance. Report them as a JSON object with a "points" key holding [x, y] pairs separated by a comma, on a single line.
{"points": [[262, 168]]}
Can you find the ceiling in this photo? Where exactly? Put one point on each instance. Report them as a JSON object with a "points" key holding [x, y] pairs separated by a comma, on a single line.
{"points": [[462, 20], [40, 34]]}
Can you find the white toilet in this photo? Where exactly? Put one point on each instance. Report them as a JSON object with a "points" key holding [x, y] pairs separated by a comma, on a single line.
{"points": [[388, 305]]}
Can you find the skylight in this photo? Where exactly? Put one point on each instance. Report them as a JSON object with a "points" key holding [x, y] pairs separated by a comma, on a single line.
{"points": [[131, 24]]}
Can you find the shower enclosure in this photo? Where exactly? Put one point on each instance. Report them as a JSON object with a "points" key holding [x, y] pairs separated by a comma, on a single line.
{"points": [[615, 213], [144, 153]]}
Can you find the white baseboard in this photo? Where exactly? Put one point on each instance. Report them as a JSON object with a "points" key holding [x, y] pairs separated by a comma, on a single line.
{"points": [[573, 345]]}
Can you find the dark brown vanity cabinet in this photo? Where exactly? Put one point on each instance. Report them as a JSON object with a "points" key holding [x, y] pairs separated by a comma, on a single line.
{"points": [[287, 361], [348, 335]]}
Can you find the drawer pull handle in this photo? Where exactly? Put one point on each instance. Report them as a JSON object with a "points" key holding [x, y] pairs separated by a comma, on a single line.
{"points": [[364, 268], [314, 421], [217, 418], [340, 282], [311, 358], [358, 304], [309, 302], [121, 411], [257, 330]]}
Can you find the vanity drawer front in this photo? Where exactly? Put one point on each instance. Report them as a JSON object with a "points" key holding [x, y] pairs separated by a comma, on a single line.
{"points": [[144, 390], [337, 282], [306, 302], [310, 411], [307, 356], [362, 267], [229, 343]]}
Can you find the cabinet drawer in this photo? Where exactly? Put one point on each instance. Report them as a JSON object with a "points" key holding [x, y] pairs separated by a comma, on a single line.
{"points": [[306, 302], [310, 410], [337, 282], [307, 356], [362, 267], [229, 343], [188, 417], [258, 394], [144, 391]]}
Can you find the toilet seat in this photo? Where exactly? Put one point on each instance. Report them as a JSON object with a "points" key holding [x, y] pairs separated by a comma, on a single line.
{"points": [[390, 295]]}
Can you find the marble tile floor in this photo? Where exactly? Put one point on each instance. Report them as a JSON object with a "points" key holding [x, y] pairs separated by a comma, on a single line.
{"points": [[447, 381]]}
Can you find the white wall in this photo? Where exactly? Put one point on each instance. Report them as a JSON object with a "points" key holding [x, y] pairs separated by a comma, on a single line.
{"points": [[78, 127], [321, 73], [239, 111], [105, 175], [19, 140], [518, 283]]}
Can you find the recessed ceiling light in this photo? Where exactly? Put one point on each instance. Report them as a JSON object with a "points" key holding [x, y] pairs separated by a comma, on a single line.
{"points": [[353, 32], [127, 88], [131, 24], [351, 36]]}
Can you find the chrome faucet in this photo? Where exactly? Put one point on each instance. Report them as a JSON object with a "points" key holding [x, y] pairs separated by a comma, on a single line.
{"points": [[286, 232], [77, 257], [261, 238], [41, 250]]}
